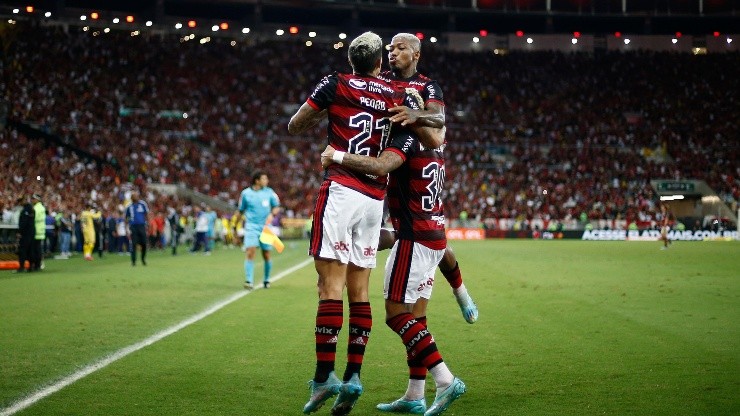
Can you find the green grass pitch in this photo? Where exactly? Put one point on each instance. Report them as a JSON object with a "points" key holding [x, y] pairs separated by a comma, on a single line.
{"points": [[565, 328]]}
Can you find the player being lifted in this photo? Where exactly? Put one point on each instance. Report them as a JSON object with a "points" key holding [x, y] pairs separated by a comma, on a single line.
{"points": [[404, 53]]}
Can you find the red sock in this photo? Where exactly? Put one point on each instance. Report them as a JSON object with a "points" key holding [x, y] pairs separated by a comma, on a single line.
{"points": [[417, 371], [329, 320], [417, 338], [360, 323], [453, 276]]}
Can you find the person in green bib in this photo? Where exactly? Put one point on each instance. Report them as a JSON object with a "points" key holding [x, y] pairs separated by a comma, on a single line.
{"points": [[39, 222]]}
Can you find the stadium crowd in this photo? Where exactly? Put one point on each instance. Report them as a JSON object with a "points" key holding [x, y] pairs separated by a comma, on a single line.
{"points": [[539, 135]]}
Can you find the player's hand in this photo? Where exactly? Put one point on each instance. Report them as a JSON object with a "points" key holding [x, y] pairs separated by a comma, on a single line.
{"points": [[326, 157], [403, 115]]}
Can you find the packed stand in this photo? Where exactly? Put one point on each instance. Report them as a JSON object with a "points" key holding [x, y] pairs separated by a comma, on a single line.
{"points": [[538, 135]]}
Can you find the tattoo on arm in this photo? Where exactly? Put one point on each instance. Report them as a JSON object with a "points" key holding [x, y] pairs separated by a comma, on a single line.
{"points": [[305, 118], [381, 165], [433, 116]]}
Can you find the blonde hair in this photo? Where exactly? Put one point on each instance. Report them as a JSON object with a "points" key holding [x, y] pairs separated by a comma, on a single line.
{"points": [[364, 52], [369, 40]]}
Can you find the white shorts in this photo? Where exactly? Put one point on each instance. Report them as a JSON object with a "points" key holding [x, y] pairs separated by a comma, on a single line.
{"points": [[409, 271], [346, 226]]}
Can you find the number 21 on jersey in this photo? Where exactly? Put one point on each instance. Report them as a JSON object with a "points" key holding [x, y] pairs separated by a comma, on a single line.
{"points": [[366, 123]]}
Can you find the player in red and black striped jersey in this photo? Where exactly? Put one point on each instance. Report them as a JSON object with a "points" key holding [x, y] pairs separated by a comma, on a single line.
{"points": [[348, 213], [404, 52], [357, 108], [417, 216], [416, 180], [413, 195]]}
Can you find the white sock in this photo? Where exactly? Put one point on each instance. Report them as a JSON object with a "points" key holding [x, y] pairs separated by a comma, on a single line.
{"points": [[442, 376], [460, 292], [415, 389]]}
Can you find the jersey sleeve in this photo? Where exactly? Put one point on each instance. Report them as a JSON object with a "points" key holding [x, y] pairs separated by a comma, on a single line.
{"points": [[432, 92], [324, 93], [274, 200], [402, 143], [242, 202]]}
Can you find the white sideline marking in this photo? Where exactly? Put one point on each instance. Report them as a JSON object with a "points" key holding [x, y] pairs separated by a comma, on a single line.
{"points": [[104, 362]]}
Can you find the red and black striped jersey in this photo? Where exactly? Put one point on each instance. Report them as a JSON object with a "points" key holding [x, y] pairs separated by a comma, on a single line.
{"points": [[414, 189], [358, 123], [428, 88], [414, 192]]}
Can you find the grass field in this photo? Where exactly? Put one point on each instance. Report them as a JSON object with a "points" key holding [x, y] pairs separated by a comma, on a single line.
{"points": [[566, 328]]}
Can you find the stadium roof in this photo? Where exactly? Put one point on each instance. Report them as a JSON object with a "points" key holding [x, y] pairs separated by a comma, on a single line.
{"points": [[494, 16]]}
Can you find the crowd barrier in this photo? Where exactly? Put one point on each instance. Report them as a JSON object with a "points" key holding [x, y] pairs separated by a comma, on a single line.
{"points": [[591, 235]]}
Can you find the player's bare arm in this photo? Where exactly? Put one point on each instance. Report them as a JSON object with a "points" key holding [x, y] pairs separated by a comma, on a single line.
{"points": [[432, 116], [430, 137], [305, 118], [381, 165]]}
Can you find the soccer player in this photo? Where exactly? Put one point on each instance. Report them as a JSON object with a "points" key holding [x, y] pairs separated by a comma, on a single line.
{"points": [[404, 53], [414, 202], [347, 215], [258, 203], [450, 270], [136, 215]]}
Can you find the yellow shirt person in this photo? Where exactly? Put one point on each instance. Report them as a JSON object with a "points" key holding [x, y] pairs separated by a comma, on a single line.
{"points": [[87, 219]]}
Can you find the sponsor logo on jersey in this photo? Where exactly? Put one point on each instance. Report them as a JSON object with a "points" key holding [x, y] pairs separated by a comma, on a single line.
{"points": [[373, 103], [439, 218], [430, 89], [421, 83], [407, 144], [379, 87], [358, 84], [324, 81]]}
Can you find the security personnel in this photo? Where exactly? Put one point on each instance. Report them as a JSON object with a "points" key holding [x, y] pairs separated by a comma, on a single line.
{"points": [[40, 224], [26, 234]]}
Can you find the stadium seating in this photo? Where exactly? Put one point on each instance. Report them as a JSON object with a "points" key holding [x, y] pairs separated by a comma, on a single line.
{"points": [[534, 136]]}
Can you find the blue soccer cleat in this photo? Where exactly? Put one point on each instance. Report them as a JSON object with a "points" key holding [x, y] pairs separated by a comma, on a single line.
{"points": [[468, 308], [321, 392], [348, 395], [414, 407], [446, 397]]}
